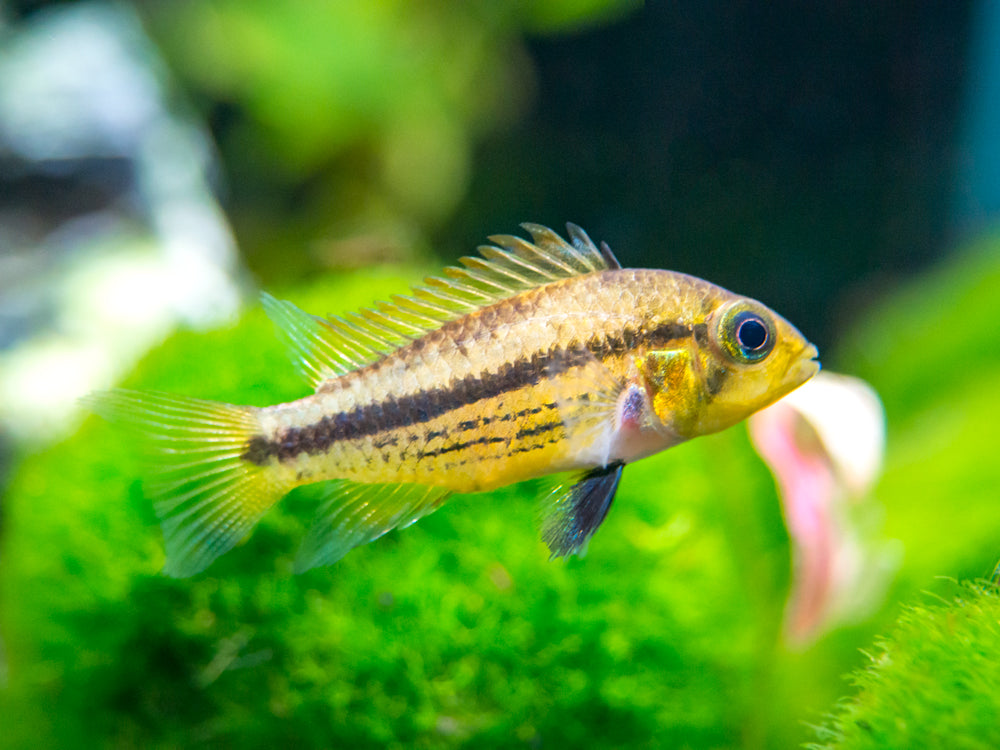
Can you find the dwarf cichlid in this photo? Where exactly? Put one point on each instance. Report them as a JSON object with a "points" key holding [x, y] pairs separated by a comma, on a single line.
{"points": [[535, 358]]}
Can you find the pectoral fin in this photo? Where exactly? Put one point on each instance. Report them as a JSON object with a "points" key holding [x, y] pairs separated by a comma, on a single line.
{"points": [[587, 395], [571, 512]]}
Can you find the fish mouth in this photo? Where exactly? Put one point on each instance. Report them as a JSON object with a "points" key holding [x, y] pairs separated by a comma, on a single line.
{"points": [[805, 366]]}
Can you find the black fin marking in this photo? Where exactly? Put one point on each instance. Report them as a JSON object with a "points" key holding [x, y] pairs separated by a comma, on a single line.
{"points": [[572, 513]]}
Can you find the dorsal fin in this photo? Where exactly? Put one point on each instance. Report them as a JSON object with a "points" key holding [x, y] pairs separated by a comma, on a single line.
{"points": [[325, 348]]}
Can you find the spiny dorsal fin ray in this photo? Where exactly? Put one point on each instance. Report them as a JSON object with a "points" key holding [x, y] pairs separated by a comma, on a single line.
{"points": [[609, 256], [327, 348]]}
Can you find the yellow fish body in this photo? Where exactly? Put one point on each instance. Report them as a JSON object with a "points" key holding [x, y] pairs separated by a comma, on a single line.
{"points": [[536, 358]]}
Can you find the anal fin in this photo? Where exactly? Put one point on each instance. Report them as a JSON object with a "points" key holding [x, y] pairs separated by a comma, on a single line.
{"points": [[572, 512], [355, 513]]}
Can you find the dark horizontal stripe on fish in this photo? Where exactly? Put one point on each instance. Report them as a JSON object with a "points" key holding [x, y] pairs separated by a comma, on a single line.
{"points": [[538, 429], [472, 424], [393, 440], [461, 446], [423, 406]]}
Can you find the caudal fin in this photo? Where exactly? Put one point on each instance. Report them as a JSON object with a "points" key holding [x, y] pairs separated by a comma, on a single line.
{"points": [[206, 495]]}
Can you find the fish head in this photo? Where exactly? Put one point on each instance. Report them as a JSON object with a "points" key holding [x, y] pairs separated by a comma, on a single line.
{"points": [[748, 358], [742, 358]]}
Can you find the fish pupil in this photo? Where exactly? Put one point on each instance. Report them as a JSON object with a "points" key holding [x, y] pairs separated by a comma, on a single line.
{"points": [[751, 333]]}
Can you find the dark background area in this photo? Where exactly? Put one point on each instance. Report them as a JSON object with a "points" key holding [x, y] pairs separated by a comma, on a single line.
{"points": [[800, 153]]}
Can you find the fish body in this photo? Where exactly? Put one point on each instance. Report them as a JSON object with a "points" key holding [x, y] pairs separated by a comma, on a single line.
{"points": [[537, 358]]}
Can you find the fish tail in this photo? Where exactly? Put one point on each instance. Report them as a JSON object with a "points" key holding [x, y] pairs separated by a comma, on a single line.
{"points": [[207, 495]]}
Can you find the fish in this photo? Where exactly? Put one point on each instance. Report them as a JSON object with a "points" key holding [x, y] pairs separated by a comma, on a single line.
{"points": [[538, 357]]}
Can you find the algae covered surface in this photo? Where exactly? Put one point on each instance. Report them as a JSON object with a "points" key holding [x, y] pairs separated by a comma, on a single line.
{"points": [[932, 682], [459, 631]]}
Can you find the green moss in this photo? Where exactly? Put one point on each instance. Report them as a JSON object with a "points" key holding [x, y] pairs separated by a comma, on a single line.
{"points": [[933, 682]]}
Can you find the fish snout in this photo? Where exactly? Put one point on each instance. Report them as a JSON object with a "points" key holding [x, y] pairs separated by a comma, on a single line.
{"points": [[804, 366]]}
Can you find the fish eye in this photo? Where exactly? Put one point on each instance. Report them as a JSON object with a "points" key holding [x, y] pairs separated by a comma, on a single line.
{"points": [[746, 334], [751, 333]]}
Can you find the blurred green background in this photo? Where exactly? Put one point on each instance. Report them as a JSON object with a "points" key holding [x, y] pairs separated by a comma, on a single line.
{"points": [[333, 153]]}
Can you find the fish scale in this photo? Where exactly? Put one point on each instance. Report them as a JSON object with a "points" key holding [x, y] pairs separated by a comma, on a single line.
{"points": [[536, 359]]}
